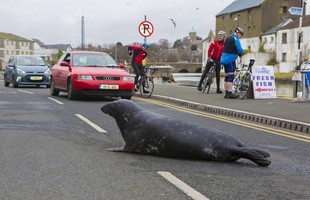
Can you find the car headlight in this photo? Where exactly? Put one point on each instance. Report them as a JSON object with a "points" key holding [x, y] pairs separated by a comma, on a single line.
{"points": [[20, 71], [85, 77], [48, 71], [128, 78]]}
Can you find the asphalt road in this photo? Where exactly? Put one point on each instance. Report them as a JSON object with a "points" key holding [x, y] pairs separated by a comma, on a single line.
{"points": [[48, 150]]}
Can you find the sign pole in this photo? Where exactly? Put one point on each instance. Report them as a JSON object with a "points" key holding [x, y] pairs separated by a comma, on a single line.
{"points": [[144, 20], [299, 33]]}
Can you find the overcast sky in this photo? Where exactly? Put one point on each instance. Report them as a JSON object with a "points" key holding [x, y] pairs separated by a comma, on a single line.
{"points": [[107, 21]]}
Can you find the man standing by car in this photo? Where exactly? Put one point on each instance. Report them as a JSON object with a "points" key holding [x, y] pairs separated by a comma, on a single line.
{"points": [[232, 49], [214, 56], [138, 54]]}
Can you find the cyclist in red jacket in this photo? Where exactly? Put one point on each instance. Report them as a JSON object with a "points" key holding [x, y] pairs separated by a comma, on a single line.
{"points": [[214, 56], [138, 54]]}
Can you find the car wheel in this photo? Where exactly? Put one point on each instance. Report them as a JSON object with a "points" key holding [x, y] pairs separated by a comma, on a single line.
{"points": [[71, 93], [6, 83], [53, 90], [15, 85]]}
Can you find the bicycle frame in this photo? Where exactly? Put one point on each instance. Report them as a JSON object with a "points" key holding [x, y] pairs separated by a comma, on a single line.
{"points": [[242, 79]]}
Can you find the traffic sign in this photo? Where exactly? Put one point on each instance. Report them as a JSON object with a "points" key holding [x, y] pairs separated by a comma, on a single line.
{"points": [[146, 28], [295, 11]]}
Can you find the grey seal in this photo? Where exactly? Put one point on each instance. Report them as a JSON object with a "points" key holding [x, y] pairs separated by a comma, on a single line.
{"points": [[150, 133]]}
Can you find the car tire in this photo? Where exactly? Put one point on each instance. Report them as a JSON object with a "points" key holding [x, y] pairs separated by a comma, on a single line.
{"points": [[15, 85], [53, 90], [71, 93], [6, 84]]}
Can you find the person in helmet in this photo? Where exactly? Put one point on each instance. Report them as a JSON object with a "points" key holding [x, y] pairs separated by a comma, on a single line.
{"points": [[138, 53], [214, 56], [232, 49]]}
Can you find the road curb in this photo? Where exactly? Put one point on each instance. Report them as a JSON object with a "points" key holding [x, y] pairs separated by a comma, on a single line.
{"points": [[263, 119]]}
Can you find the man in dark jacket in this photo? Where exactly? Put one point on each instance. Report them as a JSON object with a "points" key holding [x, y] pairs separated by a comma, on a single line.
{"points": [[138, 54], [214, 56]]}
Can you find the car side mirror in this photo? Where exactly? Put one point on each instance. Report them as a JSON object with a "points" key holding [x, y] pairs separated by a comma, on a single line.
{"points": [[10, 65], [64, 64], [121, 65]]}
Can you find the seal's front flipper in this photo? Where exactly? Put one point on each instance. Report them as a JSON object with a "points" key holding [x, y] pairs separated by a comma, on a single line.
{"points": [[256, 155], [117, 149]]}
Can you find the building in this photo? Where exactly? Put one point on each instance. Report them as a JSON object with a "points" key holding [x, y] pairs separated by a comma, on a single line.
{"points": [[286, 43], [11, 44], [63, 47], [255, 17]]}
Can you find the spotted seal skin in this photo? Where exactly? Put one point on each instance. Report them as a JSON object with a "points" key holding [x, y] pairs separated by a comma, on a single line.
{"points": [[146, 132]]}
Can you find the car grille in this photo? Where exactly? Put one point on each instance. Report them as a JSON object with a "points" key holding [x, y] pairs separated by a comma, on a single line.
{"points": [[108, 78]]}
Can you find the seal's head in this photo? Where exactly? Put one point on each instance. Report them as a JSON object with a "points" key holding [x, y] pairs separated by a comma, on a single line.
{"points": [[120, 108]]}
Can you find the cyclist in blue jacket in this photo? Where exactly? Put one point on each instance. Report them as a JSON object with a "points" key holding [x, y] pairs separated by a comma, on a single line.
{"points": [[232, 49]]}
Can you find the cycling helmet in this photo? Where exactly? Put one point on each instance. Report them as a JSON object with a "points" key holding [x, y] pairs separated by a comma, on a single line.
{"points": [[222, 33], [239, 30], [145, 45]]}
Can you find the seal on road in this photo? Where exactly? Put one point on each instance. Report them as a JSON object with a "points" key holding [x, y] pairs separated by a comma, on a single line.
{"points": [[146, 132]]}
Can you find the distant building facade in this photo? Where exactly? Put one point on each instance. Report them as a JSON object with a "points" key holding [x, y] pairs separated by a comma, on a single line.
{"points": [[266, 24], [11, 44]]}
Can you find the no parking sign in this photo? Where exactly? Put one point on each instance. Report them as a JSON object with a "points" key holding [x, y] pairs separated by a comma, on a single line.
{"points": [[146, 28]]}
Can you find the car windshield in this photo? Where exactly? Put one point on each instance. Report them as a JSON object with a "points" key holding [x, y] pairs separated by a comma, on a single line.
{"points": [[93, 60], [30, 61]]}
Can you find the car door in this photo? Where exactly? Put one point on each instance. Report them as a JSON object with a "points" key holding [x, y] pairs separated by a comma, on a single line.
{"points": [[60, 73], [64, 72], [9, 70]]}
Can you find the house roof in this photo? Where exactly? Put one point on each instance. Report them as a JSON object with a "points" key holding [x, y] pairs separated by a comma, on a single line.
{"points": [[62, 47], [10, 36], [41, 44], [239, 5], [295, 23], [281, 24]]}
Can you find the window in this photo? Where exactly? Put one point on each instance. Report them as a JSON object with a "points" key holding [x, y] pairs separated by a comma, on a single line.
{"points": [[17, 45], [282, 10], [284, 57], [1, 43], [249, 15], [271, 40], [284, 38], [1, 53]]}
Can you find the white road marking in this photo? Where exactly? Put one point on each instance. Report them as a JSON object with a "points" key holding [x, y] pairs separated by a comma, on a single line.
{"points": [[91, 123], [55, 100], [25, 91], [182, 186]]}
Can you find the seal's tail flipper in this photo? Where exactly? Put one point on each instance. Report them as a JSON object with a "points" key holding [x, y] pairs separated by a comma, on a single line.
{"points": [[256, 155]]}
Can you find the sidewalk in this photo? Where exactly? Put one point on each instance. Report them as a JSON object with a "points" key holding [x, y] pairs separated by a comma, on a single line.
{"points": [[280, 112]]}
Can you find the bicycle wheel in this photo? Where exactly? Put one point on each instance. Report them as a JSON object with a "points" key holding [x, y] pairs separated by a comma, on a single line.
{"points": [[208, 81], [236, 84], [244, 86], [147, 87]]}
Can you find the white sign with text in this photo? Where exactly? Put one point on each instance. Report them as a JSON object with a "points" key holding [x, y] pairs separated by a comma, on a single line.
{"points": [[264, 85]]}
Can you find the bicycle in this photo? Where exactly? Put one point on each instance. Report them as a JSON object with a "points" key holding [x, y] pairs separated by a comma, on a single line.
{"points": [[242, 80], [145, 82], [208, 80]]}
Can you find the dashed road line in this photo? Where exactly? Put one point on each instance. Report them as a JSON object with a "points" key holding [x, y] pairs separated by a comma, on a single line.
{"points": [[25, 91], [182, 186], [91, 123], [55, 100]]}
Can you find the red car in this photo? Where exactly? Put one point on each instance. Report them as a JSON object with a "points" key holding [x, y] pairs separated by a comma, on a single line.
{"points": [[90, 73]]}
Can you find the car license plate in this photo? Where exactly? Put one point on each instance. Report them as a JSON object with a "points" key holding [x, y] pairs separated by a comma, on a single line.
{"points": [[108, 87], [36, 78]]}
